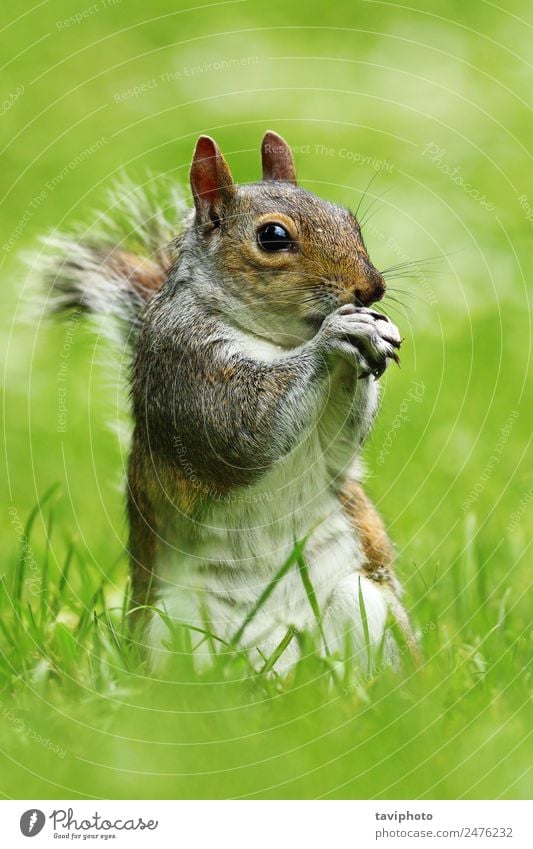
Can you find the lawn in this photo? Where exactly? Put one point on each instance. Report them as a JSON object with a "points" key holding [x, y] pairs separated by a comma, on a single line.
{"points": [[424, 107]]}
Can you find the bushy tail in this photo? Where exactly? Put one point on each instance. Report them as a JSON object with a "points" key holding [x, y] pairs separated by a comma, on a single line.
{"points": [[112, 267]]}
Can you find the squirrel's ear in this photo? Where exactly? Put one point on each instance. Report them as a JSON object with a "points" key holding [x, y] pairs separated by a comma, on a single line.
{"points": [[278, 163], [211, 180]]}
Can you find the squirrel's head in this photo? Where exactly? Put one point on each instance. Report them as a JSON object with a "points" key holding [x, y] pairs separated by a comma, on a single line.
{"points": [[282, 257]]}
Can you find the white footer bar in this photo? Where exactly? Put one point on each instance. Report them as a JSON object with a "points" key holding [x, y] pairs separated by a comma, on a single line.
{"points": [[267, 824]]}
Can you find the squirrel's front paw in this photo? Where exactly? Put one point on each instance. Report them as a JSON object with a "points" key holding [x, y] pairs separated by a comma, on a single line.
{"points": [[366, 338]]}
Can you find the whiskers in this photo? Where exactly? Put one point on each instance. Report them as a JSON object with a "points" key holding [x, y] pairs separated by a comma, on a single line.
{"points": [[413, 269], [365, 216], [364, 193], [395, 304], [397, 308]]}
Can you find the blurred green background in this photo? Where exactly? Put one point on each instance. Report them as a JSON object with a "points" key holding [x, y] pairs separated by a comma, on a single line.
{"points": [[432, 101]]}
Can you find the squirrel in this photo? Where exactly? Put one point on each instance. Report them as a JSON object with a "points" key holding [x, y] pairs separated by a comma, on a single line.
{"points": [[255, 362]]}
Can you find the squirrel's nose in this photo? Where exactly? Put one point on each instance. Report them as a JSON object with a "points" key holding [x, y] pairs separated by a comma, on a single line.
{"points": [[370, 287]]}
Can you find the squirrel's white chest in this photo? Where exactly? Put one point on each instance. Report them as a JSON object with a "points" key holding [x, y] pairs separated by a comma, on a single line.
{"points": [[259, 524], [250, 533]]}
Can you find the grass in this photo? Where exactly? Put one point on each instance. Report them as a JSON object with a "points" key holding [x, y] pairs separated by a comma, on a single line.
{"points": [[82, 716], [366, 88]]}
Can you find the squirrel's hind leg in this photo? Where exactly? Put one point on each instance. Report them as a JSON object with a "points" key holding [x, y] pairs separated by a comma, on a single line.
{"points": [[379, 557], [370, 530]]}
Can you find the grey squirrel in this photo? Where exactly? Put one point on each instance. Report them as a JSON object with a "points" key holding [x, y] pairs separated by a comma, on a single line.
{"points": [[256, 356]]}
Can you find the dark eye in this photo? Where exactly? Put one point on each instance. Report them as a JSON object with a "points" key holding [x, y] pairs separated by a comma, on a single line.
{"points": [[274, 237]]}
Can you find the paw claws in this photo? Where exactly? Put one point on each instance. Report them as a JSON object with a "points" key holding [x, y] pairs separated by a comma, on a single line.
{"points": [[396, 343]]}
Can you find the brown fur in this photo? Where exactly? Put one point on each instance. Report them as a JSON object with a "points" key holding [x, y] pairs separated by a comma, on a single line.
{"points": [[370, 530], [277, 160], [144, 275], [331, 254], [379, 556], [207, 422]]}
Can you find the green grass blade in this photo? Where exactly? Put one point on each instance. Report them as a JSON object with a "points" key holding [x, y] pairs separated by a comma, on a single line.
{"points": [[311, 595], [267, 592], [366, 631], [58, 598], [171, 625], [278, 651], [18, 581], [43, 595]]}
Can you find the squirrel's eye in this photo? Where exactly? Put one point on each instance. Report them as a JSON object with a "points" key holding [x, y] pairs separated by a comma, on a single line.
{"points": [[274, 237]]}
